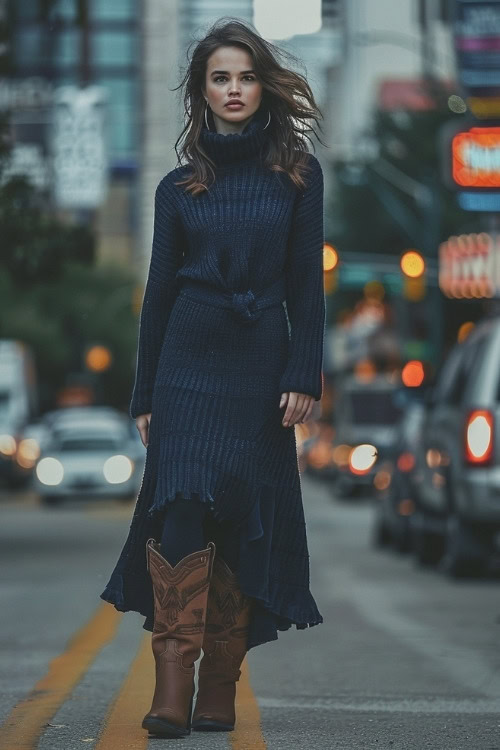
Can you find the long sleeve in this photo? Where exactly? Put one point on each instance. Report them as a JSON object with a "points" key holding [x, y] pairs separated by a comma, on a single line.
{"points": [[305, 297], [159, 295]]}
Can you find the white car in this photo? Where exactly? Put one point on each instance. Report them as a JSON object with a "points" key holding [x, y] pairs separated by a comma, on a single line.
{"points": [[89, 453]]}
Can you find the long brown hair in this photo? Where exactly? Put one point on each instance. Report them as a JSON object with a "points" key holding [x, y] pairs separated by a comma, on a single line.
{"points": [[285, 93]]}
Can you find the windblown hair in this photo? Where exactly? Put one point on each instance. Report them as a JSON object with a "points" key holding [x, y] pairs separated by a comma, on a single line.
{"points": [[285, 93]]}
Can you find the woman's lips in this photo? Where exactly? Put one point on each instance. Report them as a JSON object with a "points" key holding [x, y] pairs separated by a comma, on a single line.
{"points": [[234, 106]]}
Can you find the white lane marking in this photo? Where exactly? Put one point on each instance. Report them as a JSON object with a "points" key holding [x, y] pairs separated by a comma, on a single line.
{"points": [[378, 606], [411, 705]]}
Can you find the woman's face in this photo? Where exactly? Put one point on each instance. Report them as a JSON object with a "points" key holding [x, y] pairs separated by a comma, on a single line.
{"points": [[229, 76]]}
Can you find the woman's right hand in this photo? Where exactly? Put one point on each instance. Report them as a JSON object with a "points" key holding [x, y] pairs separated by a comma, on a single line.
{"points": [[142, 424]]}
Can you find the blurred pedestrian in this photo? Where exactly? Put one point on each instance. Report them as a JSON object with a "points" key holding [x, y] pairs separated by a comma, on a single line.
{"points": [[216, 557]]}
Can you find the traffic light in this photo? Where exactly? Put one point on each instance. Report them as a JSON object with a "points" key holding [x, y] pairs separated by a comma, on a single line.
{"points": [[413, 267], [330, 264], [413, 373]]}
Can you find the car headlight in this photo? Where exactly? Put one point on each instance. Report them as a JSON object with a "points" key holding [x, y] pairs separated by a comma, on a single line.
{"points": [[50, 471], [7, 444], [362, 458], [28, 452], [117, 469]]}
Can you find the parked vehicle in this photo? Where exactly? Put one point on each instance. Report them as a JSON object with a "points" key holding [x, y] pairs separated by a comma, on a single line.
{"points": [[394, 481], [367, 413], [316, 456], [89, 452], [18, 406], [457, 478]]}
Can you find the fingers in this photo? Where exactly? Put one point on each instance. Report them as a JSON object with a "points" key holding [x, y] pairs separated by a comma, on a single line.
{"points": [[308, 410], [298, 408], [142, 424]]}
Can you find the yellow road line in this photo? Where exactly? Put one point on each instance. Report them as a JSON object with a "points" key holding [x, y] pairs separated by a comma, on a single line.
{"points": [[247, 733], [122, 727], [27, 720]]}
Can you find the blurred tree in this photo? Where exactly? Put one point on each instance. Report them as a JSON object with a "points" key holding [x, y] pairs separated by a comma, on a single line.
{"points": [[53, 297], [59, 317], [408, 148], [35, 245]]}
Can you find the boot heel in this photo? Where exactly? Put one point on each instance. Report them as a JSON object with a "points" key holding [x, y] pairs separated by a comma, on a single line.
{"points": [[163, 728]]}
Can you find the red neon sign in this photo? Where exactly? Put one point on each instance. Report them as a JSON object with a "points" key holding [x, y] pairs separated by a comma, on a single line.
{"points": [[476, 158]]}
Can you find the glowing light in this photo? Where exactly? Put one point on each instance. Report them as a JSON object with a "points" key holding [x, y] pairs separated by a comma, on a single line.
{"points": [[362, 458], [364, 370], [320, 454], [406, 507], [465, 330], [406, 462], [413, 374], [28, 452], [98, 358], [467, 266], [118, 469], [433, 458], [7, 445], [341, 455], [382, 480], [475, 161], [412, 264], [50, 471], [479, 434], [330, 257]]}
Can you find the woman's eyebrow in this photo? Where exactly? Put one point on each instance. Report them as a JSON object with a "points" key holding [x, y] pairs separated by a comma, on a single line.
{"points": [[227, 72]]}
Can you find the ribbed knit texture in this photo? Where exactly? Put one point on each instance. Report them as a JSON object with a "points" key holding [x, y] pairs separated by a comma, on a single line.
{"points": [[212, 375]]}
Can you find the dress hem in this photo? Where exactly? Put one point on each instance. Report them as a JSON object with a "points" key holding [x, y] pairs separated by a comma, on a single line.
{"points": [[283, 623]]}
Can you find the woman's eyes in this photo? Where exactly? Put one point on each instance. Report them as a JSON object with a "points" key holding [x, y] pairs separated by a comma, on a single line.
{"points": [[251, 78]]}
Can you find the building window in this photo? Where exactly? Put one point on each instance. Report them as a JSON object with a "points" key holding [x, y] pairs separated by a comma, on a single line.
{"points": [[112, 10], [113, 48], [67, 47], [122, 109]]}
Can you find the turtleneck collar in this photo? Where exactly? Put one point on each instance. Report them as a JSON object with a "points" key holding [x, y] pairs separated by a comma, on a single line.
{"points": [[224, 149]]}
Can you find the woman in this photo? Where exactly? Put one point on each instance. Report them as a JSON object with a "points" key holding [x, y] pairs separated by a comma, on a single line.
{"points": [[216, 557]]}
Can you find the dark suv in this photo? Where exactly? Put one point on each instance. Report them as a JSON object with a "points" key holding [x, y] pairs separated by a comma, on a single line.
{"points": [[457, 477]]}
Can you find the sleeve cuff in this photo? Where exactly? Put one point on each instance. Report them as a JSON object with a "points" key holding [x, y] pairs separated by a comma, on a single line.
{"points": [[295, 382]]}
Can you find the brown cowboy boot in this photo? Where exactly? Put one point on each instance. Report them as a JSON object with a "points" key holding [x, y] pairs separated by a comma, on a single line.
{"points": [[180, 603], [224, 648]]}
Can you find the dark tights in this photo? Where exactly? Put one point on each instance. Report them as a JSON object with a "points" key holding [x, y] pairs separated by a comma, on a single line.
{"points": [[188, 527]]}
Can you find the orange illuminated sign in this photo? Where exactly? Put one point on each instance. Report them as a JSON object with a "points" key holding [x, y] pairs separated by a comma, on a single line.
{"points": [[476, 158], [469, 266]]}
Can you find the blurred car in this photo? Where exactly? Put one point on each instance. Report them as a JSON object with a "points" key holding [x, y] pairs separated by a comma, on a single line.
{"points": [[88, 452], [457, 478], [316, 457], [394, 481], [18, 405], [367, 413]]}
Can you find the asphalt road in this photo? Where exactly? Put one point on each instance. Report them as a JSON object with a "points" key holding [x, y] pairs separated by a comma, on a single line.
{"points": [[405, 658]]}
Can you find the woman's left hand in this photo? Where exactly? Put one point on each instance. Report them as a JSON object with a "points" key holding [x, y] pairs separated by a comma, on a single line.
{"points": [[298, 407]]}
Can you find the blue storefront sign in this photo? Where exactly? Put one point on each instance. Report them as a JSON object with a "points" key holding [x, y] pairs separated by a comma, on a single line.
{"points": [[477, 46]]}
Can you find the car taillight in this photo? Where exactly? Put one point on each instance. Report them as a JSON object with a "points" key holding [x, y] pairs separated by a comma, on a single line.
{"points": [[479, 437], [406, 462]]}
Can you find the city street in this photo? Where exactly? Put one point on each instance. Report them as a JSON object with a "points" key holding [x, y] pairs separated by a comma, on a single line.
{"points": [[405, 658]]}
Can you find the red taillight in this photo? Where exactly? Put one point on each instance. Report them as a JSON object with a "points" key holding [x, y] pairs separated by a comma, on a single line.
{"points": [[406, 462], [478, 437]]}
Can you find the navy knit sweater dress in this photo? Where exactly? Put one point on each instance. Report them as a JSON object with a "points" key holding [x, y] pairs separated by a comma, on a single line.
{"points": [[233, 315]]}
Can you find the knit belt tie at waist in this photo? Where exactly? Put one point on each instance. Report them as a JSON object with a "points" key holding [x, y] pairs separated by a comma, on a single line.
{"points": [[247, 306]]}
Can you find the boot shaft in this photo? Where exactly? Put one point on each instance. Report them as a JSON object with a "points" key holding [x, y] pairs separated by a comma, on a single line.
{"points": [[180, 600]]}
